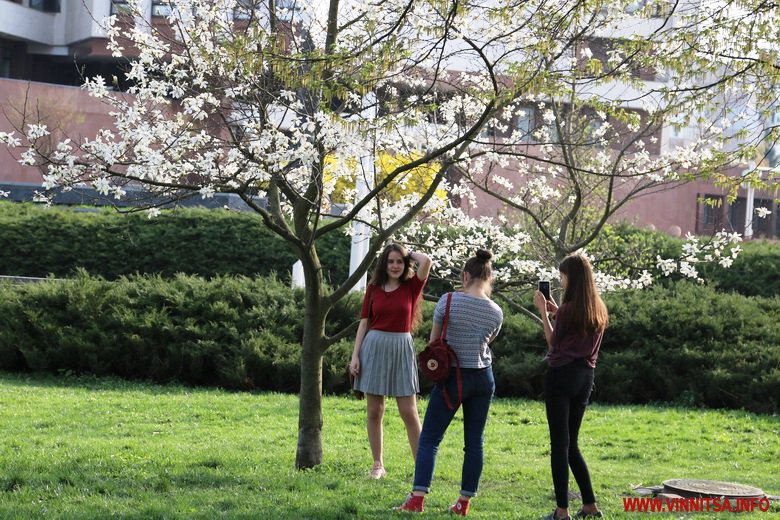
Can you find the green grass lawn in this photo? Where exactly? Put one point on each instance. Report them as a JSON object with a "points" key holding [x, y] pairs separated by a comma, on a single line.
{"points": [[86, 448]]}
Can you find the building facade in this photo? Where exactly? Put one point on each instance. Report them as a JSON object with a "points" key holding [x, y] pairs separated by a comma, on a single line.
{"points": [[48, 46]]}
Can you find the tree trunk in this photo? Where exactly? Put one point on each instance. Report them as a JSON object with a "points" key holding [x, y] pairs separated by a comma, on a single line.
{"points": [[309, 451]]}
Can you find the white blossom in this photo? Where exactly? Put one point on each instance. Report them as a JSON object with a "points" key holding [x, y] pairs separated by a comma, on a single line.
{"points": [[763, 212]]}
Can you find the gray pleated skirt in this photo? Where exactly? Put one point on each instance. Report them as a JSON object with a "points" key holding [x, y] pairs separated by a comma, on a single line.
{"points": [[388, 364]]}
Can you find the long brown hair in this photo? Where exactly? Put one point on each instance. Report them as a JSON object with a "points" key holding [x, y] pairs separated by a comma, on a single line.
{"points": [[379, 276], [588, 314]]}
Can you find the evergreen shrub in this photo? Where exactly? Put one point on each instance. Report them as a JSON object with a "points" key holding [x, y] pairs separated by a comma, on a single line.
{"points": [[38, 241], [755, 272], [235, 332], [686, 344]]}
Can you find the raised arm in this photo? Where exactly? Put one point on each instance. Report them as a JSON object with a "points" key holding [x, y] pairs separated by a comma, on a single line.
{"points": [[424, 264], [541, 304]]}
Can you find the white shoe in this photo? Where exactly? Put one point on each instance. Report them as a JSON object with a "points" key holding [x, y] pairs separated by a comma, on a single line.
{"points": [[377, 472]]}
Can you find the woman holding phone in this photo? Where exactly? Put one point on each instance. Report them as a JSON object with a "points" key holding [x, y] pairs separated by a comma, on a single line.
{"points": [[573, 348]]}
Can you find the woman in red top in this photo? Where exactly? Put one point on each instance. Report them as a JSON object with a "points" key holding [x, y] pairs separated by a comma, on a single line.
{"points": [[384, 362], [573, 348]]}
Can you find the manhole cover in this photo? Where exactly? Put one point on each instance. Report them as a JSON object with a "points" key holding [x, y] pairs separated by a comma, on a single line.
{"points": [[710, 488]]}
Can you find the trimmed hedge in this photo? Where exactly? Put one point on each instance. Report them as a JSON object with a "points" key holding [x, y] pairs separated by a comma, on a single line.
{"points": [[755, 272], [233, 332], [40, 241], [686, 344]]}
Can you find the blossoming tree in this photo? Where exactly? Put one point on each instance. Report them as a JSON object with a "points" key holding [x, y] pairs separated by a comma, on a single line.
{"points": [[585, 138], [279, 102]]}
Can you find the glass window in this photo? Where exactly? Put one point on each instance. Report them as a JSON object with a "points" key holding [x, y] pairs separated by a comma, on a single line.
{"points": [[552, 133], [243, 9], [5, 63], [161, 8], [635, 6], [762, 225], [486, 133], [47, 6], [710, 214], [525, 122], [120, 7], [288, 10], [592, 137]]}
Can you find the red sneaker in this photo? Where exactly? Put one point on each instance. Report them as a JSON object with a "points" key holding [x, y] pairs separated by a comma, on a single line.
{"points": [[461, 507], [413, 504]]}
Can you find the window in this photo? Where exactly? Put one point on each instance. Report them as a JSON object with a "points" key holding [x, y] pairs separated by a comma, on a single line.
{"points": [[551, 129], [243, 9], [773, 155], [161, 8], [676, 126], [121, 7], [525, 121], [5, 63], [594, 136], [709, 217], [635, 6], [288, 10], [762, 226], [647, 8], [47, 6], [487, 133], [710, 213]]}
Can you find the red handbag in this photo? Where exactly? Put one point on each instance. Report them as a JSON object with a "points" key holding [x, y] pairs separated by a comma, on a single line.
{"points": [[438, 358]]}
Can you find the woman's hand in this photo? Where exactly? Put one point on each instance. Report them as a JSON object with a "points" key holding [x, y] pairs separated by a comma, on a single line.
{"points": [[540, 302], [552, 307], [354, 366]]}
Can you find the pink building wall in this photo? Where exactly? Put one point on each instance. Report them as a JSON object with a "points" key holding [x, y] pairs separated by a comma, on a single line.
{"points": [[72, 112], [65, 110], [676, 210]]}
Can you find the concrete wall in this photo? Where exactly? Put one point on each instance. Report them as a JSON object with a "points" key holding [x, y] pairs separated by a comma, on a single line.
{"points": [[77, 20]]}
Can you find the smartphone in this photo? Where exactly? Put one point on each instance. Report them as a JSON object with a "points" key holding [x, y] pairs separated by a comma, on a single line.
{"points": [[544, 287]]}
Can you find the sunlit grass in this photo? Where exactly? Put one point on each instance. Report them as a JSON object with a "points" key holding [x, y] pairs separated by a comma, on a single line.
{"points": [[86, 448]]}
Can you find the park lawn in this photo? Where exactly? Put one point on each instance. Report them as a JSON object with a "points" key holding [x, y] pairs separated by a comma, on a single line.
{"points": [[85, 448]]}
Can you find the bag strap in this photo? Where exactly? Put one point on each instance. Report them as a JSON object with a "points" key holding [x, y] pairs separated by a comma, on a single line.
{"points": [[445, 393], [453, 360], [446, 319]]}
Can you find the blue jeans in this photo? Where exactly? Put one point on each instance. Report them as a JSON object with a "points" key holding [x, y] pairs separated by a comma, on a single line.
{"points": [[478, 389]]}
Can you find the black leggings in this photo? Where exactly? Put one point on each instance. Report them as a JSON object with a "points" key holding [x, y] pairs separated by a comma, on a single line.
{"points": [[567, 390]]}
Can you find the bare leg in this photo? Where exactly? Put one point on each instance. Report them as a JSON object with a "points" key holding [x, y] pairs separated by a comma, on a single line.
{"points": [[376, 413], [407, 408]]}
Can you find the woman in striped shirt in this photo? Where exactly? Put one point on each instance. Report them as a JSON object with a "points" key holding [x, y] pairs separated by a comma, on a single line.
{"points": [[474, 321]]}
